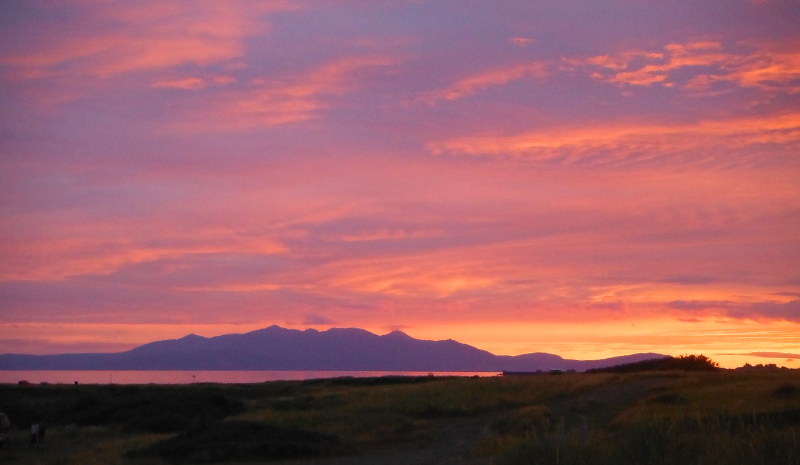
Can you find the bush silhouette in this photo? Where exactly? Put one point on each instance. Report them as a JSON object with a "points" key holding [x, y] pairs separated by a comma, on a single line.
{"points": [[682, 363]]}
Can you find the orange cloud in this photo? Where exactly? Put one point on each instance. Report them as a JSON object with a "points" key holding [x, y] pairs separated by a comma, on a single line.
{"points": [[192, 83], [231, 288], [388, 234], [115, 336], [62, 258], [539, 278], [764, 68], [420, 277], [676, 56], [625, 140]]}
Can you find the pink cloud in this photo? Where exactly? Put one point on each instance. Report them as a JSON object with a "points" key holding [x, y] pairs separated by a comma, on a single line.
{"points": [[704, 142], [146, 35], [385, 234], [480, 81], [521, 41], [93, 254], [765, 68], [269, 102], [191, 83]]}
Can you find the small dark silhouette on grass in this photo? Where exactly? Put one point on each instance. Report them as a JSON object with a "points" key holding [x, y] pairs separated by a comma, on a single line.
{"points": [[5, 428], [34, 436]]}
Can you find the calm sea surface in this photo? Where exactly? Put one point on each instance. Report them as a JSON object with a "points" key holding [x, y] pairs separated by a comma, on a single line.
{"points": [[187, 377]]}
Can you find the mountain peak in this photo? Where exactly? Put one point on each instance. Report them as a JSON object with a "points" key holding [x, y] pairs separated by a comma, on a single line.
{"points": [[348, 331]]}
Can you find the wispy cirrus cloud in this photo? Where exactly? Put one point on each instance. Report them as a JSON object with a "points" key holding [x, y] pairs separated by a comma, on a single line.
{"points": [[785, 311], [495, 77], [121, 36], [766, 68], [63, 258], [709, 142], [698, 67], [189, 83], [784, 355], [274, 101]]}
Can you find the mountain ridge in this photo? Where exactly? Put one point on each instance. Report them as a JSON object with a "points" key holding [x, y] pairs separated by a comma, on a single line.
{"points": [[335, 349]]}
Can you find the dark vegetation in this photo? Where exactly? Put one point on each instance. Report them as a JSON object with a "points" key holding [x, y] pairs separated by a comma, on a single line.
{"points": [[204, 416], [661, 416], [154, 409], [240, 440], [682, 363]]}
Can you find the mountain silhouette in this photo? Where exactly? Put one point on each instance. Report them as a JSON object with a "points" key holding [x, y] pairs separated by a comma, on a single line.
{"points": [[337, 349]]}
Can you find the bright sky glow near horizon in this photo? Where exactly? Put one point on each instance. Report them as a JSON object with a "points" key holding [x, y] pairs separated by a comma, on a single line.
{"points": [[589, 178]]}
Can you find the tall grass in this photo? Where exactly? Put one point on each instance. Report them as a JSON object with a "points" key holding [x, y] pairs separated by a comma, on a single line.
{"points": [[375, 414], [705, 440], [723, 418]]}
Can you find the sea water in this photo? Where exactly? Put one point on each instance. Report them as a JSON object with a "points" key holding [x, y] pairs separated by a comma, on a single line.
{"points": [[188, 377]]}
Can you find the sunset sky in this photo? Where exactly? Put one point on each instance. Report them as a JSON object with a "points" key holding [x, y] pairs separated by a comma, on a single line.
{"points": [[589, 178]]}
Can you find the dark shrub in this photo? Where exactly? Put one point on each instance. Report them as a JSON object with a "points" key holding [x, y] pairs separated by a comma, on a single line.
{"points": [[157, 409], [239, 441], [787, 391], [670, 398], [682, 363]]}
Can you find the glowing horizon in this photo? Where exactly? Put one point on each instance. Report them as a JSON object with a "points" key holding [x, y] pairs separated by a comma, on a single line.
{"points": [[584, 178]]}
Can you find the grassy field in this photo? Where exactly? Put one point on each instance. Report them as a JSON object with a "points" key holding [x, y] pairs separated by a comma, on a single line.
{"points": [[673, 417]]}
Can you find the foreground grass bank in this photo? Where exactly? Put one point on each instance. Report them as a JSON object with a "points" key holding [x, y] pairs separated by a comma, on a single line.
{"points": [[602, 418]]}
